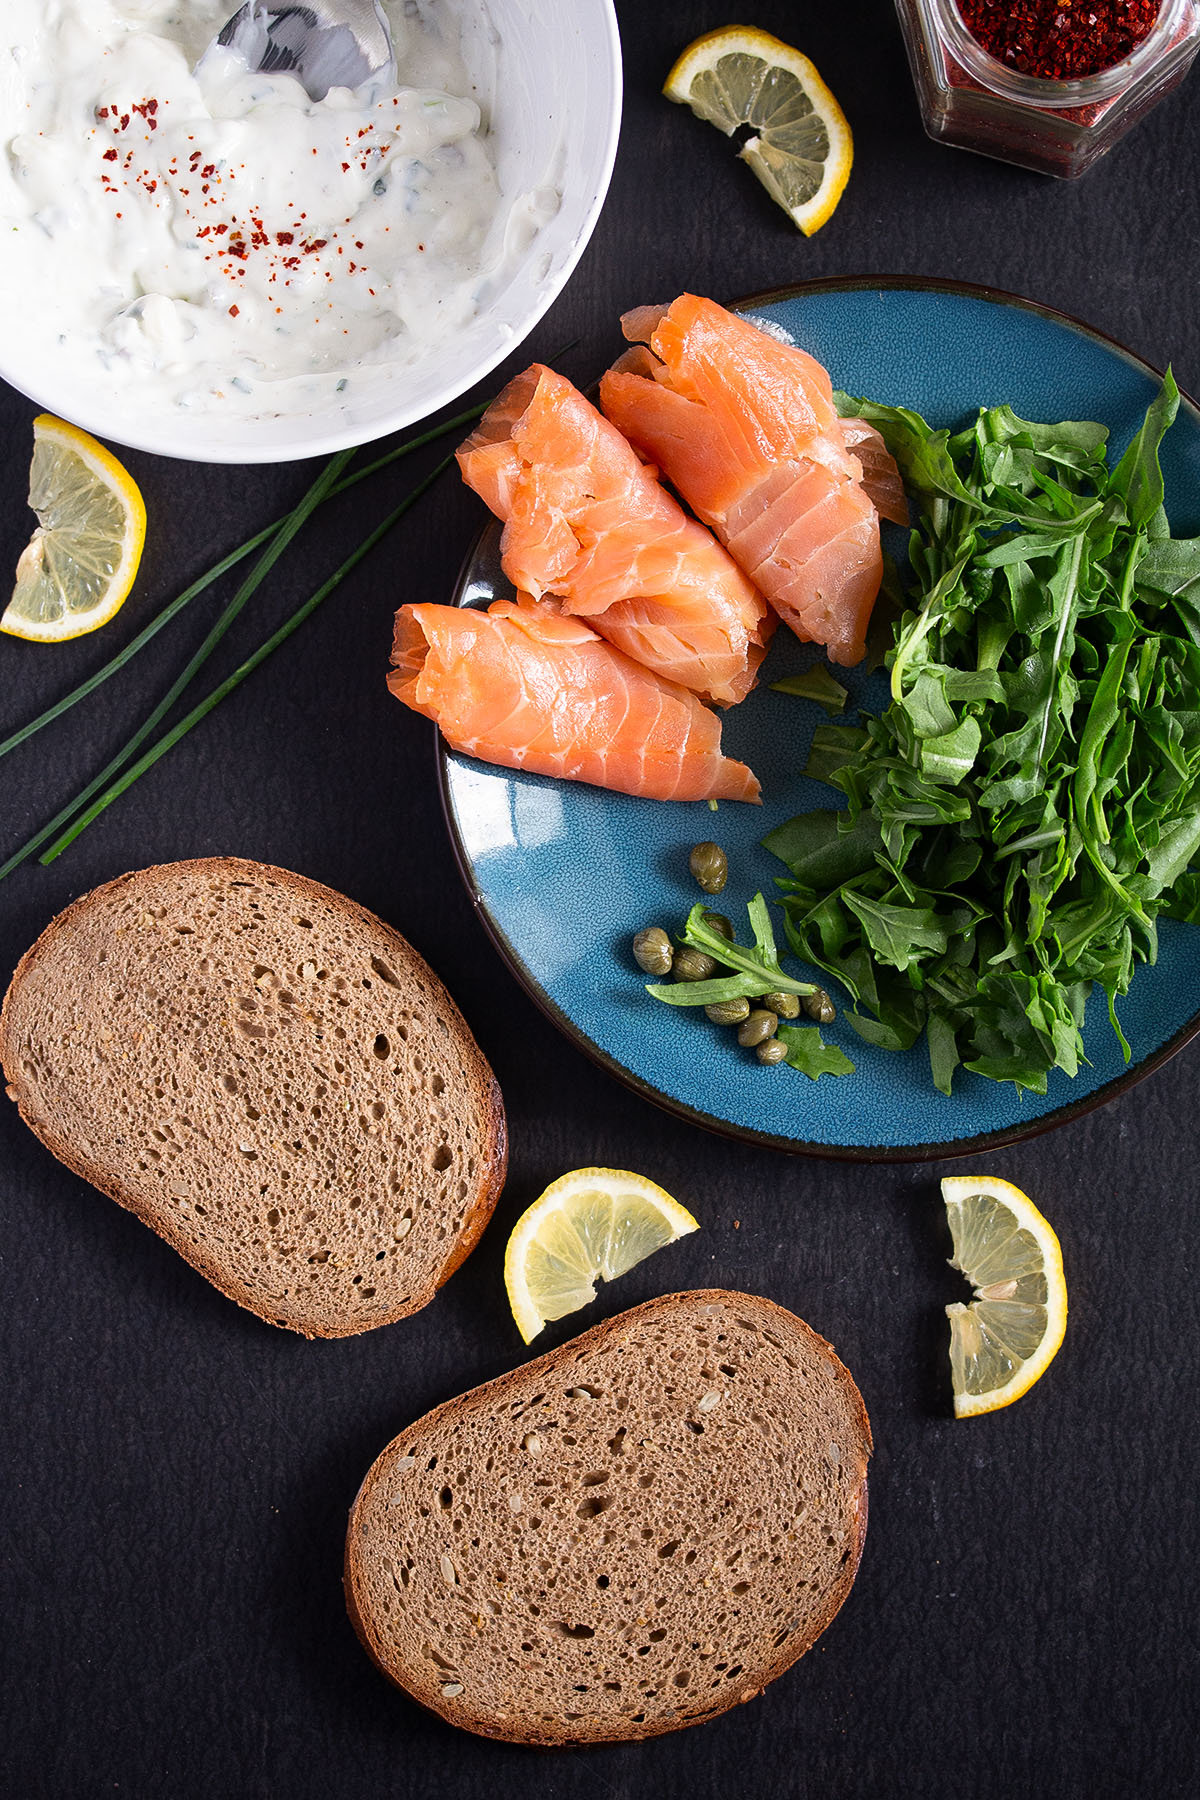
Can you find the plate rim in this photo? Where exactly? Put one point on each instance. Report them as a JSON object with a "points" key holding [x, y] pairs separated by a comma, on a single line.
{"points": [[928, 1151]]}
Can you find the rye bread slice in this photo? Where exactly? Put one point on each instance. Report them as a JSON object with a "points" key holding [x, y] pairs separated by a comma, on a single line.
{"points": [[268, 1076], [628, 1535]]}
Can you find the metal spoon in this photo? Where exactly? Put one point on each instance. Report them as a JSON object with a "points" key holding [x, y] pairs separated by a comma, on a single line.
{"points": [[324, 43]]}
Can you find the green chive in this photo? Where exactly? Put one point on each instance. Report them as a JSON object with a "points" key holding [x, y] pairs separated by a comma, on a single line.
{"points": [[239, 675], [227, 562], [266, 562]]}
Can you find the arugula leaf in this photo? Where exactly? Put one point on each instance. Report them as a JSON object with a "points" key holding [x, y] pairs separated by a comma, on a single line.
{"points": [[815, 684], [832, 747], [808, 1052], [756, 970], [825, 845], [1138, 477], [943, 1051], [890, 1031], [897, 934], [1077, 443], [951, 757], [713, 992], [1171, 566], [1177, 847]]}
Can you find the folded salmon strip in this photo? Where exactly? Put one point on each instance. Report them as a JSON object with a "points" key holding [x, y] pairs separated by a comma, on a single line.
{"points": [[880, 477], [528, 687], [745, 427], [586, 521]]}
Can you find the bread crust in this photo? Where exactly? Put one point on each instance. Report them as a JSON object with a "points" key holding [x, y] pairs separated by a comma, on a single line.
{"points": [[494, 1396], [492, 1149]]}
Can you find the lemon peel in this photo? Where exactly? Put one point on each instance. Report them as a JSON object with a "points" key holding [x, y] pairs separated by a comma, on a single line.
{"points": [[1006, 1338], [78, 567], [590, 1225], [802, 149]]}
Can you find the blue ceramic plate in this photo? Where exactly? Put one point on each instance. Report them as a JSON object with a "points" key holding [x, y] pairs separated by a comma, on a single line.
{"points": [[563, 875]]}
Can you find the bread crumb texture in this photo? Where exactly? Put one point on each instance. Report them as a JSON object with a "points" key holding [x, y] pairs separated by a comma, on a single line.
{"points": [[271, 1078], [629, 1535]]}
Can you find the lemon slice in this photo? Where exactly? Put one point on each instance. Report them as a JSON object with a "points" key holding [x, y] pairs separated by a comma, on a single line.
{"points": [[801, 148], [1008, 1335], [591, 1225], [79, 565]]}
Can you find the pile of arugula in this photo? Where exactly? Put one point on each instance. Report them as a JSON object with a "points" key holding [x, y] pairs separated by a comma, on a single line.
{"points": [[1030, 800]]}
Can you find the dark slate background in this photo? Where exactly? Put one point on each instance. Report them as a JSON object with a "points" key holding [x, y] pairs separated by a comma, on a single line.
{"points": [[178, 1474]]}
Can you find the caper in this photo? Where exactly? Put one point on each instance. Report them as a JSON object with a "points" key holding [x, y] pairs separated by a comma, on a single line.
{"points": [[710, 866], [728, 1012], [718, 922], [757, 1027], [820, 1007], [772, 1050], [693, 965], [786, 1005], [653, 951]]}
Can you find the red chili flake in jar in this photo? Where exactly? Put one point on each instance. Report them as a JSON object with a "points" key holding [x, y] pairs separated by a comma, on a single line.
{"points": [[110, 156], [1059, 40], [233, 311]]}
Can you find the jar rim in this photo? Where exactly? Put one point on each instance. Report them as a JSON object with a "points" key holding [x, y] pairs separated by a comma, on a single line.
{"points": [[1039, 90]]}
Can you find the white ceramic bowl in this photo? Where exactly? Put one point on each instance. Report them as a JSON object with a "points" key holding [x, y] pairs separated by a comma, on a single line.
{"points": [[550, 74]]}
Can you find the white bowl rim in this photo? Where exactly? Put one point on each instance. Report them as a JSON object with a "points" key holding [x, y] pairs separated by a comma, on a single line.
{"points": [[100, 421]]}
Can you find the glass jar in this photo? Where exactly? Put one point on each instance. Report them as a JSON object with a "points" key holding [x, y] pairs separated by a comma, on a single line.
{"points": [[971, 99]]}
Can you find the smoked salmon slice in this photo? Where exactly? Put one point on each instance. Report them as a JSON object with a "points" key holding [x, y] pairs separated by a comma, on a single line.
{"points": [[744, 426], [586, 521], [529, 687], [881, 478]]}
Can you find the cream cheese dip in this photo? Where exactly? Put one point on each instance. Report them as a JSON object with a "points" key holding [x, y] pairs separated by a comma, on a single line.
{"points": [[212, 240]]}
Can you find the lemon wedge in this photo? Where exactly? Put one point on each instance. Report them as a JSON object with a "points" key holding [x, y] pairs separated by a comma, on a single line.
{"points": [[801, 148], [80, 563], [590, 1225], [1008, 1335]]}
